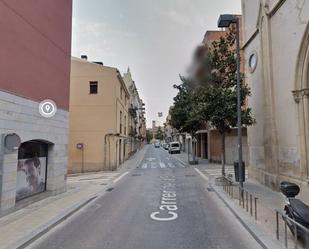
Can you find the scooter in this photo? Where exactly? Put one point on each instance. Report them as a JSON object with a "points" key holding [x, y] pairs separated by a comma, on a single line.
{"points": [[295, 208]]}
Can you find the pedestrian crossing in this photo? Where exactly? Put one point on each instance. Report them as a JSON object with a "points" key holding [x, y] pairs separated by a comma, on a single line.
{"points": [[102, 177], [160, 165]]}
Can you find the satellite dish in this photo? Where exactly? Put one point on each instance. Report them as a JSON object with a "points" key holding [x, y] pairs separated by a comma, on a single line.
{"points": [[11, 142]]}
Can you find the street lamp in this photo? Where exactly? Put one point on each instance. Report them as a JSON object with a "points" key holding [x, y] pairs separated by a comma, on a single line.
{"points": [[224, 22]]}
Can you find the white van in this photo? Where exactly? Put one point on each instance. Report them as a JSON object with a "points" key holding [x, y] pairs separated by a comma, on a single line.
{"points": [[174, 147]]}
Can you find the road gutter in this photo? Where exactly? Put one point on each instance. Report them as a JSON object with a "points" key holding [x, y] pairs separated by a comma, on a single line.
{"points": [[40, 231], [264, 240]]}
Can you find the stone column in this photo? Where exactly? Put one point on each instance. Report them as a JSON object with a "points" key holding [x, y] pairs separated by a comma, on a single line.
{"points": [[301, 98]]}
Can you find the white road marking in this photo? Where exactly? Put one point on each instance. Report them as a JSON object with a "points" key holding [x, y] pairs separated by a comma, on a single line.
{"points": [[162, 165], [168, 208], [118, 178], [150, 159], [144, 166], [201, 174], [171, 165], [180, 165]]}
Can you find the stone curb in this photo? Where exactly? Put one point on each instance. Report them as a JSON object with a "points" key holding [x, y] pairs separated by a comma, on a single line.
{"points": [[264, 240], [248, 223], [40, 231]]}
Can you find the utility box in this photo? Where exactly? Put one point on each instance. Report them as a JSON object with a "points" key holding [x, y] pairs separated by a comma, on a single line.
{"points": [[236, 171]]}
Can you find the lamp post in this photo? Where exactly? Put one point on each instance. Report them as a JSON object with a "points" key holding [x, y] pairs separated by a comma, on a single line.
{"points": [[224, 22]]}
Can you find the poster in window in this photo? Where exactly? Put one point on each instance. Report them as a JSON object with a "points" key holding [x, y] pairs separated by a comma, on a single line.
{"points": [[31, 177]]}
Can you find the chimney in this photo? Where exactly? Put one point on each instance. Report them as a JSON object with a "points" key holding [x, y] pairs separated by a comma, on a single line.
{"points": [[84, 57]]}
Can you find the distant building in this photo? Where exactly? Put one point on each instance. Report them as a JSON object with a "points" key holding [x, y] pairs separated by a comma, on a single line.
{"points": [[35, 65], [99, 101], [276, 46], [137, 122]]}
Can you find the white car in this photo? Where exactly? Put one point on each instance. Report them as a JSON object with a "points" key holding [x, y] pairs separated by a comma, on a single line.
{"points": [[174, 147]]}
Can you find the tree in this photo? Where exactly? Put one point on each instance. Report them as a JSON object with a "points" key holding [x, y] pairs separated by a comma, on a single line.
{"points": [[159, 134], [217, 95], [148, 136], [184, 114]]}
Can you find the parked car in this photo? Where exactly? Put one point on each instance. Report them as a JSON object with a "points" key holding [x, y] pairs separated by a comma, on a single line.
{"points": [[174, 147], [157, 145], [166, 146]]}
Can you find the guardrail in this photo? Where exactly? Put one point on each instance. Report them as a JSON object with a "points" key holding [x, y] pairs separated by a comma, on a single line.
{"points": [[245, 199], [296, 227], [250, 203]]}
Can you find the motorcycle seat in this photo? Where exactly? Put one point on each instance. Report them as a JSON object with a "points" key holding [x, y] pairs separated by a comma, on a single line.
{"points": [[300, 208]]}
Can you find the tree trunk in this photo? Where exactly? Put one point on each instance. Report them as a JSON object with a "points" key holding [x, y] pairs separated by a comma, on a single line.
{"points": [[223, 153]]}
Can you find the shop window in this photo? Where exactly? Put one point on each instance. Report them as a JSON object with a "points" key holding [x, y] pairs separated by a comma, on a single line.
{"points": [[31, 169]]}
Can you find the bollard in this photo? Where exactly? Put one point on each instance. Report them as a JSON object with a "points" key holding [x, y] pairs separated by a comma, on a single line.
{"points": [[239, 196], [247, 201], [277, 224], [251, 204], [255, 208]]}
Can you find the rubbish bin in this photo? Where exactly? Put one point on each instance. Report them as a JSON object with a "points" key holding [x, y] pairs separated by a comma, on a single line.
{"points": [[236, 171]]}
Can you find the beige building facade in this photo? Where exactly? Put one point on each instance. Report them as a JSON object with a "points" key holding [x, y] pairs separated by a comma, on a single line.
{"points": [[99, 102], [136, 121], [276, 47]]}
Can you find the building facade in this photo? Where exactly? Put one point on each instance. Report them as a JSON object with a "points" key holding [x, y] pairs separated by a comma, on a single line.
{"points": [[137, 121], [99, 101], [276, 46], [35, 66], [209, 141]]}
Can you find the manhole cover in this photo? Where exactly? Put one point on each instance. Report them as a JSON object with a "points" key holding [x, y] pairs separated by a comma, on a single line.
{"points": [[109, 189]]}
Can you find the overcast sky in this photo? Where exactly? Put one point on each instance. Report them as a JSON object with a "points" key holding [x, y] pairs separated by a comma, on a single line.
{"points": [[155, 38]]}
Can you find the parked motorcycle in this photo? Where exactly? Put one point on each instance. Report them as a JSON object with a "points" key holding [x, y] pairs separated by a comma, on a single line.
{"points": [[295, 208]]}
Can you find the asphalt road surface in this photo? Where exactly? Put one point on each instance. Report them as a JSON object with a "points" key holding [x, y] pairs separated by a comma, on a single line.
{"points": [[162, 204]]}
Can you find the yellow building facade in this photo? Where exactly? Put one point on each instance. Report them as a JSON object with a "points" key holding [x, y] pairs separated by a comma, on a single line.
{"points": [[99, 103]]}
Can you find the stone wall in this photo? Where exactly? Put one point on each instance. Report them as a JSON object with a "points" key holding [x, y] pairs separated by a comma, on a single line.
{"points": [[275, 31], [21, 116]]}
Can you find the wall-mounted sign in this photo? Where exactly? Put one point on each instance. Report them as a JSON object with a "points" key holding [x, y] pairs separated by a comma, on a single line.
{"points": [[80, 146], [12, 142]]}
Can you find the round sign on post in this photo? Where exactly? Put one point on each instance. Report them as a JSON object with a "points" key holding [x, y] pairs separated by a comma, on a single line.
{"points": [[79, 146]]}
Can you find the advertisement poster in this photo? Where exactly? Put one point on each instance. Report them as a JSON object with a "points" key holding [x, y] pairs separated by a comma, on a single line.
{"points": [[31, 177]]}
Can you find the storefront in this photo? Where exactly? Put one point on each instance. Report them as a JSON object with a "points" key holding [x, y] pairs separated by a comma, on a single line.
{"points": [[31, 176]]}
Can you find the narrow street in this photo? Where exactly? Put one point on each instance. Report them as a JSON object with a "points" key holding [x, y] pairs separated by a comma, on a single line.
{"points": [[161, 204]]}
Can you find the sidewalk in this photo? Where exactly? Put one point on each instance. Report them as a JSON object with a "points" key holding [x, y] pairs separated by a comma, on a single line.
{"points": [[268, 201], [21, 227]]}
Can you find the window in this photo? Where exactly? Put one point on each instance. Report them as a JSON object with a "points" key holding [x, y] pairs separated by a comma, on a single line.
{"points": [[120, 128], [93, 87], [125, 125]]}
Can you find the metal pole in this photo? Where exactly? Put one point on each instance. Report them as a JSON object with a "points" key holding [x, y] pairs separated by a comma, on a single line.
{"points": [[277, 224], [239, 106], [83, 159]]}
